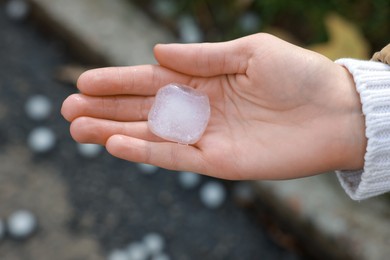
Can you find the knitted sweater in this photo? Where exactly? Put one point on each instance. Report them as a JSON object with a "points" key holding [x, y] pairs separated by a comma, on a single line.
{"points": [[372, 81]]}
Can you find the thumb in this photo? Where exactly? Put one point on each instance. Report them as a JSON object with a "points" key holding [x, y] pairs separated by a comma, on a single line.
{"points": [[204, 59]]}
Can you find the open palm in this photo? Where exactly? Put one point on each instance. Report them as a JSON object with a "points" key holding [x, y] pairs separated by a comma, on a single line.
{"points": [[277, 110]]}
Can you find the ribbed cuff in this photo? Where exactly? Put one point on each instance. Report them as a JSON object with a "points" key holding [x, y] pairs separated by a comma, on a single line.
{"points": [[372, 81]]}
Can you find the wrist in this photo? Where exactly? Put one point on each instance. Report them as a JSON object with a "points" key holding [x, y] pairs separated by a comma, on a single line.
{"points": [[353, 122], [372, 81]]}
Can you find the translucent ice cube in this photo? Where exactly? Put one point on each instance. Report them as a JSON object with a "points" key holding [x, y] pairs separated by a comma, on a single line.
{"points": [[179, 114]]}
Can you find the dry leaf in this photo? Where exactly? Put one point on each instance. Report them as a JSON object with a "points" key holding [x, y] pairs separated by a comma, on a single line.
{"points": [[345, 40]]}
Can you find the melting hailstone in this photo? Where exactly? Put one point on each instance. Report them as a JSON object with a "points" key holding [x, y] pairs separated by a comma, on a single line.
{"points": [[179, 114], [41, 139], [38, 107], [154, 243], [213, 194], [118, 255], [21, 224], [189, 180]]}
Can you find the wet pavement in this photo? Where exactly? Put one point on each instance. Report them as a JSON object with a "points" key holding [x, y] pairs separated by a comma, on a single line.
{"points": [[87, 207]]}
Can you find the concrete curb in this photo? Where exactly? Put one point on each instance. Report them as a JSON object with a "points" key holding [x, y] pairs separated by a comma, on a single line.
{"points": [[116, 33], [322, 213], [102, 32]]}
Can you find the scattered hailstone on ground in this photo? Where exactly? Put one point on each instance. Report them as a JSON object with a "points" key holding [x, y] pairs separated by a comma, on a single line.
{"points": [[21, 224], [147, 168], [137, 251], [249, 22], [17, 10], [41, 139], [189, 30], [189, 180], [179, 114], [161, 256], [212, 194], [154, 243], [89, 150], [118, 255], [38, 107], [2, 229], [243, 193], [164, 8]]}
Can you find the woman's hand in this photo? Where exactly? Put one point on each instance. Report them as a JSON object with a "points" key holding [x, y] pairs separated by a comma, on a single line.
{"points": [[277, 111]]}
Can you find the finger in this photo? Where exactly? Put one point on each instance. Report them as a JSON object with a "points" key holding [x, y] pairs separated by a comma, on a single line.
{"points": [[92, 130], [118, 108], [137, 80], [164, 154], [204, 59]]}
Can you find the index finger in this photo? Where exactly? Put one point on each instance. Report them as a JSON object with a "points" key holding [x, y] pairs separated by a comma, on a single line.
{"points": [[142, 80]]}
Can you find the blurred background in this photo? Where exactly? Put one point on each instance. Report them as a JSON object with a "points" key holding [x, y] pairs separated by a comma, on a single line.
{"points": [[62, 200], [336, 28]]}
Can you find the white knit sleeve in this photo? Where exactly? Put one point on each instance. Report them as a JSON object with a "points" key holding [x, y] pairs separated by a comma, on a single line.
{"points": [[372, 81]]}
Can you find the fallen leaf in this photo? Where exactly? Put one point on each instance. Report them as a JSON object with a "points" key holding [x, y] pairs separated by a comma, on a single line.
{"points": [[345, 40]]}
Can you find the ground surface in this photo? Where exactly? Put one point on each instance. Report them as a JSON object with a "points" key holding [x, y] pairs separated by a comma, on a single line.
{"points": [[88, 207]]}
